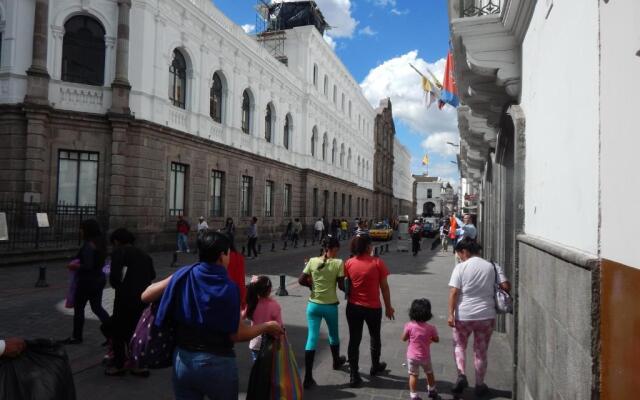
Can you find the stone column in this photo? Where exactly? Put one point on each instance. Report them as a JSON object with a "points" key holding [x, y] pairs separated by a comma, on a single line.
{"points": [[118, 176], [120, 86], [36, 142], [38, 77]]}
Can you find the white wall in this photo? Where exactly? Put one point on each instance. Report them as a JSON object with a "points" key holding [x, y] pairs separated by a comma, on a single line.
{"points": [[619, 106], [560, 102], [422, 192], [402, 178]]}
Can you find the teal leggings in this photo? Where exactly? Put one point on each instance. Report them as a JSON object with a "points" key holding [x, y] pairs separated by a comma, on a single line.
{"points": [[315, 314]]}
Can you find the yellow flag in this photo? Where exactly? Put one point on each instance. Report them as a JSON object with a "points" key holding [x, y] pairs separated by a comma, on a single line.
{"points": [[426, 85], [425, 160]]}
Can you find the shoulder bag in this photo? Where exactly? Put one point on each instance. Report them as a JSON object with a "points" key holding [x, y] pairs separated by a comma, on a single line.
{"points": [[504, 301]]}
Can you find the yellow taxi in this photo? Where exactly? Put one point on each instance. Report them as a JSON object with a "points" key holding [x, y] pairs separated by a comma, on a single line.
{"points": [[381, 231]]}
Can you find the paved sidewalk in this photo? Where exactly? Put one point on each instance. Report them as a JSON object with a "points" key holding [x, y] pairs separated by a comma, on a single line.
{"points": [[30, 312]]}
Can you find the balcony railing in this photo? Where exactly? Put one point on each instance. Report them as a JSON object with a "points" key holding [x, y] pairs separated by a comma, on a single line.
{"points": [[478, 8]]}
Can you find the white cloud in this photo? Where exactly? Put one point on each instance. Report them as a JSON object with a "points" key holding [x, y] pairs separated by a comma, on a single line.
{"points": [[437, 143], [338, 16], [396, 79], [367, 31], [248, 28], [330, 41], [446, 171], [395, 11], [384, 3]]}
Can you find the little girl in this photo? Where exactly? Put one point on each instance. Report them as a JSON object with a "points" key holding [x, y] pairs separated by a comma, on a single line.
{"points": [[261, 307], [420, 334]]}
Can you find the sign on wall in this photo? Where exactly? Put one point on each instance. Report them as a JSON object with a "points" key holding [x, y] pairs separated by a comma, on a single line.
{"points": [[43, 220], [4, 230]]}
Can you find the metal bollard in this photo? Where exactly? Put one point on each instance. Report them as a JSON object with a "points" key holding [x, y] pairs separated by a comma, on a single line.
{"points": [[285, 245], [42, 277], [386, 248], [259, 249], [243, 250], [305, 243], [282, 290], [375, 251], [174, 260], [273, 246]]}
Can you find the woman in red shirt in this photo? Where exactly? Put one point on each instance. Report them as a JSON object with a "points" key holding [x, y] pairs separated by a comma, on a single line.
{"points": [[367, 277]]}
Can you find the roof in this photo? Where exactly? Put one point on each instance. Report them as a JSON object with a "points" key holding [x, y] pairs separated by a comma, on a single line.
{"points": [[424, 178]]}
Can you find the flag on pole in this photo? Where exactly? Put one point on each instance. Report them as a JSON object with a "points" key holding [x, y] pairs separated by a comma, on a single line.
{"points": [[429, 91], [449, 94], [425, 160]]}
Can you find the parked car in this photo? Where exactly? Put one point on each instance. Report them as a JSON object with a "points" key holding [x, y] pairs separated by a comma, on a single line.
{"points": [[381, 231]]}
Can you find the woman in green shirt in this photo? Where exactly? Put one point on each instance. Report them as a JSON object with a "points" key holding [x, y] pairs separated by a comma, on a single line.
{"points": [[321, 275]]}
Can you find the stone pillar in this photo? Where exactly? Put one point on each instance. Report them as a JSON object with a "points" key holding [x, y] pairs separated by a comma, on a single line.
{"points": [[120, 86], [117, 183], [38, 77], [36, 143]]}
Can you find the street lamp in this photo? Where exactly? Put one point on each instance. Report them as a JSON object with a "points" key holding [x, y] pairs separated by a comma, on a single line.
{"points": [[453, 162], [453, 144]]}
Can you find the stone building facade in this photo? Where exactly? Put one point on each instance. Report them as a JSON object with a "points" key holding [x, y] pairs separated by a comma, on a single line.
{"points": [[574, 279], [384, 134], [238, 134]]}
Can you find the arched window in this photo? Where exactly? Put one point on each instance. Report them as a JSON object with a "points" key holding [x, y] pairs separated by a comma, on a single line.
{"points": [[178, 80], [429, 193], [83, 51], [315, 75], [349, 160], [335, 94], [342, 103], [358, 170], [334, 151], [215, 99], [325, 145], [287, 131], [268, 123], [314, 139], [326, 85], [246, 112], [349, 108], [342, 155]]}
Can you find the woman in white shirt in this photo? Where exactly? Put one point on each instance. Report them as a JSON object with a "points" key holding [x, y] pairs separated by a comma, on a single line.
{"points": [[472, 309]]}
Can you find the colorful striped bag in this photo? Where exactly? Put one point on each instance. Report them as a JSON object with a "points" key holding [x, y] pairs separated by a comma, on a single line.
{"points": [[285, 375]]}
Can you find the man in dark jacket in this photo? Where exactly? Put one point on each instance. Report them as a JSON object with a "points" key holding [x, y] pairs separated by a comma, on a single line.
{"points": [[131, 273]]}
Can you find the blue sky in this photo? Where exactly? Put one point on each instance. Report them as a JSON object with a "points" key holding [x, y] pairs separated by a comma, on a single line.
{"points": [[376, 40]]}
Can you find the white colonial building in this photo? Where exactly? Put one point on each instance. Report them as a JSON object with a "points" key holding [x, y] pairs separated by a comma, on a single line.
{"points": [[402, 180], [429, 195], [180, 112]]}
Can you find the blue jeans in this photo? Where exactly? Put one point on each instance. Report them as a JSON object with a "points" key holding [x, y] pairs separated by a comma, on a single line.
{"points": [[315, 314], [199, 374], [182, 242]]}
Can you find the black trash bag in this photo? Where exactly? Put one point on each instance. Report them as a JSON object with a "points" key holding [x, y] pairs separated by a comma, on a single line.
{"points": [[41, 372], [260, 378]]}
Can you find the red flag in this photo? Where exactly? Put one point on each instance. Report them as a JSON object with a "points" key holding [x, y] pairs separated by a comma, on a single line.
{"points": [[449, 94]]}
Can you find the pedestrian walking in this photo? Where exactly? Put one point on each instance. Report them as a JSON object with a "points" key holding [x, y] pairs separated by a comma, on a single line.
{"points": [[444, 236], [230, 229], [204, 305], [202, 224], [91, 280], [261, 308], [344, 229], [367, 277], [297, 231], [183, 229], [318, 229], [252, 236], [416, 236], [420, 335], [472, 310], [131, 273], [322, 275]]}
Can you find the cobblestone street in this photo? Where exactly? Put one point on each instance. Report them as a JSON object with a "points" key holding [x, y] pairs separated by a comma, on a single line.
{"points": [[30, 312]]}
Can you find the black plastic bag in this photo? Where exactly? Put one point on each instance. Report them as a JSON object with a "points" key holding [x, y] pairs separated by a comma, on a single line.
{"points": [[260, 378], [41, 372]]}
